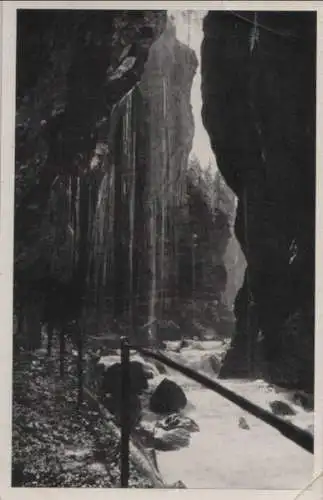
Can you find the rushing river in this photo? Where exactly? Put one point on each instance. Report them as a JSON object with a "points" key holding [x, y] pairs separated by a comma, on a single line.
{"points": [[223, 455]]}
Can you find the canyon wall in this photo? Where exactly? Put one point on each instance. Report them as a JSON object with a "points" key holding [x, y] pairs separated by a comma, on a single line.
{"points": [[258, 85], [146, 230], [148, 146], [103, 133], [109, 223], [73, 67]]}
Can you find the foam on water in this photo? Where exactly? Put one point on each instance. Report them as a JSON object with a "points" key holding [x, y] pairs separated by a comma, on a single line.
{"points": [[222, 455]]}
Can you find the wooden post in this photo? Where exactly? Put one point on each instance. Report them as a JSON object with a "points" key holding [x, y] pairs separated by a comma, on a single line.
{"points": [[79, 338], [50, 334], [125, 409], [62, 351]]}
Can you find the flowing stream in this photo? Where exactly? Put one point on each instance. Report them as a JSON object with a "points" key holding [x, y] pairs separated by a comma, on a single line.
{"points": [[223, 455]]}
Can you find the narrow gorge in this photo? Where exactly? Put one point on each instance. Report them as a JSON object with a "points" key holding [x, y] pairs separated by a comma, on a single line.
{"points": [[122, 220], [259, 109], [165, 191]]}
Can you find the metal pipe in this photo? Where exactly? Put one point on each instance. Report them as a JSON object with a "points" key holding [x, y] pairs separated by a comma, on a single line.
{"points": [[299, 436], [125, 408]]}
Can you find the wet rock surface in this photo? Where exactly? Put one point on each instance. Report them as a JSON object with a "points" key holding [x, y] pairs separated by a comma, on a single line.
{"points": [[243, 424], [113, 404], [178, 485], [173, 439], [111, 380], [304, 400], [258, 91], [168, 397], [174, 432], [280, 408], [178, 421], [73, 69]]}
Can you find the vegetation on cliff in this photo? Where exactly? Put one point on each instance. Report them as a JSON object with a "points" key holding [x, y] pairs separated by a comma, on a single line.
{"points": [[114, 225], [110, 220]]}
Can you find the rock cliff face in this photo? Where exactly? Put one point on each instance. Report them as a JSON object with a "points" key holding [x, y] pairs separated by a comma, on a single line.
{"points": [[73, 67], [107, 217], [258, 85], [60, 106], [104, 130], [153, 126], [177, 244], [166, 87], [104, 208]]}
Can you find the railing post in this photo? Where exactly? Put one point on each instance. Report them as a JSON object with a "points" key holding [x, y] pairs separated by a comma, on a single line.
{"points": [[79, 338], [124, 410]]}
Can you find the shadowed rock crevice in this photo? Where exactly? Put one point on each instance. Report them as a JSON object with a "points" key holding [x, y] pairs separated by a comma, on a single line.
{"points": [[258, 85]]}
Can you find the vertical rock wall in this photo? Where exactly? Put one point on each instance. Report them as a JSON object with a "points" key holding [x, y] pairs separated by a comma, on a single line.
{"points": [[73, 67], [258, 83]]}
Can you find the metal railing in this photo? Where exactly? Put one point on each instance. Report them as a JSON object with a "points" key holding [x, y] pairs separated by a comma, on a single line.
{"points": [[300, 437], [125, 424]]}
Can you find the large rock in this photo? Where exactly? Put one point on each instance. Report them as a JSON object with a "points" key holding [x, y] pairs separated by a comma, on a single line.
{"points": [[172, 439], [164, 117], [178, 485], [150, 368], [160, 367], [138, 366], [111, 382], [280, 408], [208, 363], [61, 105], [305, 400], [177, 421], [168, 397], [215, 363], [258, 89], [113, 405], [73, 69]]}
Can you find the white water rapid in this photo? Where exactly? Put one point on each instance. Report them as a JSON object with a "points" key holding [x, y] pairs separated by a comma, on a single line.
{"points": [[223, 455]]}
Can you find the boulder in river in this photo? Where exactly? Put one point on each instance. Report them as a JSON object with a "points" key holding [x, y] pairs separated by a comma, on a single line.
{"points": [[215, 363], [168, 397], [160, 367], [149, 367], [113, 404], [179, 485], [173, 439], [111, 379], [280, 408], [176, 421], [146, 433], [143, 370], [209, 363], [303, 399], [243, 424]]}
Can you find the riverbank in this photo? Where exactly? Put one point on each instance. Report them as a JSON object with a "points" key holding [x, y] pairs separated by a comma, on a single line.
{"points": [[225, 454], [53, 443], [80, 448]]}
